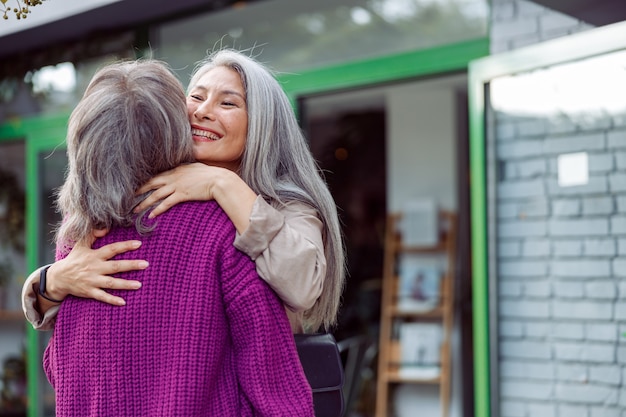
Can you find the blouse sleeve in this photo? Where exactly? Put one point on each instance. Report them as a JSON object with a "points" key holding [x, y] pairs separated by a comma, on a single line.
{"points": [[287, 247], [29, 304]]}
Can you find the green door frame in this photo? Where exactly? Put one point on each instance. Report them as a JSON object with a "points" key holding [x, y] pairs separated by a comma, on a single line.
{"points": [[46, 133], [39, 134], [574, 47], [426, 62]]}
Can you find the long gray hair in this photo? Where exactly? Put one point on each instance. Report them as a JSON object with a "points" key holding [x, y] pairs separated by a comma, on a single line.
{"points": [[277, 164], [130, 125]]}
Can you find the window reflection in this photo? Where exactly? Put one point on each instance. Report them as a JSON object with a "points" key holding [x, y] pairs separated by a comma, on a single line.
{"points": [[298, 34]]}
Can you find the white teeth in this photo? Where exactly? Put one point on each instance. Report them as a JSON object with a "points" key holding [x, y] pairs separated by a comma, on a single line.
{"points": [[208, 135]]}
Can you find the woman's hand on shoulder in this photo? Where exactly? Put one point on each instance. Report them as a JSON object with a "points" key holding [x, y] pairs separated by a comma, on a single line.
{"points": [[190, 182], [88, 273]]}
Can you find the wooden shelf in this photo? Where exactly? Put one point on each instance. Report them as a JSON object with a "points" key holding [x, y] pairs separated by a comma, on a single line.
{"points": [[11, 315], [391, 370]]}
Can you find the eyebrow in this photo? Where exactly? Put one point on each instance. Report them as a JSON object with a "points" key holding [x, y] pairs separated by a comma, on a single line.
{"points": [[222, 92]]}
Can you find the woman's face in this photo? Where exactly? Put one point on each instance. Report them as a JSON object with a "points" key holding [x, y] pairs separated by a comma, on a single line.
{"points": [[217, 111]]}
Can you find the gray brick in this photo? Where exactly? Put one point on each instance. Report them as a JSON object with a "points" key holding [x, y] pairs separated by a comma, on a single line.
{"points": [[526, 350], [601, 332], [572, 410], [566, 207], [525, 268], [537, 329], [618, 225], [600, 163], [606, 374], [597, 205], [619, 267], [575, 143], [596, 185], [509, 289], [505, 131], [621, 246], [581, 268], [537, 207], [568, 331], [521, 189], [599, 247], [512, 408], [527, 370], [537, 289], [616, 139], [581, 227], [605, 412], [601, 290], [570, 372], [523, 228], [561, 125], [585, 352], [536, 248], [621, 204], [567, 247], [534, 390], [515, 28], [520, 149], [501, 10], [617, 182], [568, 289], [510, 328], [584, 393], [528, 8], [532, 127], [542, 409], [556, 21], [507, 210], [621, 335], [620, 311], [524, 309], [532, 168], [582, 310], [620, 160], [621, 355], [510, 171], [509, 249]]}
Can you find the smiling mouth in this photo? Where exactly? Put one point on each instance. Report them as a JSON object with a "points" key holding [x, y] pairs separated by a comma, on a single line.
{"points": [[205, 134]]}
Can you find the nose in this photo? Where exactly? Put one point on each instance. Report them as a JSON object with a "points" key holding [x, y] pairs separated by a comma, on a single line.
{"points": [[204, 111]]}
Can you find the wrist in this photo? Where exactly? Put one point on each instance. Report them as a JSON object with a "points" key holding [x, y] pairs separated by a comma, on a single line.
{"points": [[47, 288]]}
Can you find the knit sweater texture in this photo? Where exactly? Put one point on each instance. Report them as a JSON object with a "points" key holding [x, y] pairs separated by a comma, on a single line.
{"points": [[204, 336]]}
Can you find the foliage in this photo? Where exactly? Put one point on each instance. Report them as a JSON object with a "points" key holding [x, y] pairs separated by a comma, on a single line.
{"points": [[21, 11]]}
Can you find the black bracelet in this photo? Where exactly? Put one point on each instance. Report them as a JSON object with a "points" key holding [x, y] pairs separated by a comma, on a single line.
{"points": [[42, 284]]}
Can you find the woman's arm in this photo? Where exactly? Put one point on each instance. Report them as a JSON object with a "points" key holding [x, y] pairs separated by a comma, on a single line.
{"points": [[285, 243], [83, 273]]}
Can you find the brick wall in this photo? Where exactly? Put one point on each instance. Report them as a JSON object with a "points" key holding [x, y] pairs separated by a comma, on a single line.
{"points": [[561, 250]]}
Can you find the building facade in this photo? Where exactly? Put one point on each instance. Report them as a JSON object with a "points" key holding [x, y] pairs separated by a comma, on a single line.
{"points": [[401, 100]]}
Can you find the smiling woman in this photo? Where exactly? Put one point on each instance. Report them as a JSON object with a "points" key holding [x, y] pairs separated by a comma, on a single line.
{"points": [[218, 115]]}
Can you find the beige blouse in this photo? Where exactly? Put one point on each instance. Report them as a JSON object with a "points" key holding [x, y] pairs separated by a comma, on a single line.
{"points": [[284, 242]]}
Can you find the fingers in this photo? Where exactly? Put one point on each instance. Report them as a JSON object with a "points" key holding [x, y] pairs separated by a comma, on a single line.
{"points": [[163, 206], [157, 195], [112, 249], [109, 283]]}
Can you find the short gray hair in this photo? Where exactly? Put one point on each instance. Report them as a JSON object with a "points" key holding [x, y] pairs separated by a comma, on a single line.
{"points": [[130, 125], [277, 164]]}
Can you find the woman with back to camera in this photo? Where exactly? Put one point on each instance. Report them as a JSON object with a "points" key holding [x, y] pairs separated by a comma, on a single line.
{"points": [[204, 336], [259, 169]]}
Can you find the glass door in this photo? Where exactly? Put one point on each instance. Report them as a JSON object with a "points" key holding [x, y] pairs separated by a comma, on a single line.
{"points": [[548, 157]]}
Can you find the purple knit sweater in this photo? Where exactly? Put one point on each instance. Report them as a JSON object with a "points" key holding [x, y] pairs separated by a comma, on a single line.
{"points": [[204, 336]]}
